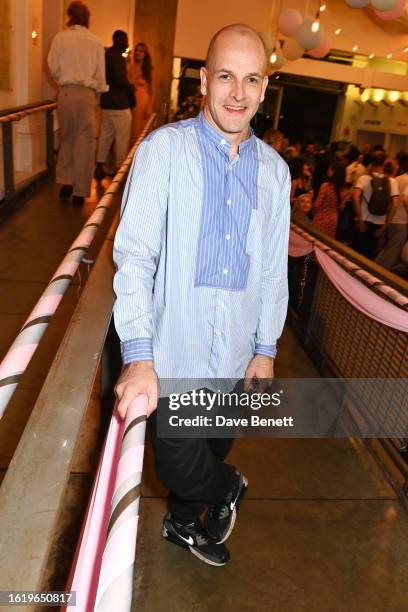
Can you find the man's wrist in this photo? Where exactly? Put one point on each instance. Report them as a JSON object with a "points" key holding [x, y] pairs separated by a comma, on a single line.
{"points": [[267, 350], [137, 349]]}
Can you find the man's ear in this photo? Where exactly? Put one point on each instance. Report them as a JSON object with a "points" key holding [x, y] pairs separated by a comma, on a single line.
{"points": [[203, 77], [265, 82]]}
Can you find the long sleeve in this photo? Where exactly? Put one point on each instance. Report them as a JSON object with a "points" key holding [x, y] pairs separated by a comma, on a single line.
{"points": [[53, 59], [138, 244], [274, 292]]}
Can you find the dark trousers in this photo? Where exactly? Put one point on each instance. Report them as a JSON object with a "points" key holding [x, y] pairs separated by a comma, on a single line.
{"points": [[193, 470], [365, 242]]}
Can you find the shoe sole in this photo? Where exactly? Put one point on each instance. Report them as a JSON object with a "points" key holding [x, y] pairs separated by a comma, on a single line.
{"points": [[170, 538], [234, 511]]}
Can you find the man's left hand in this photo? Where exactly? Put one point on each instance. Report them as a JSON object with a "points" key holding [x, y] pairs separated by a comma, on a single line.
{"points": [[259, 373]]}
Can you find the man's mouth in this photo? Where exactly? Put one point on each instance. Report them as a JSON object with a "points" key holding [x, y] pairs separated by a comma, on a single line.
{"points": [[235, 109]]}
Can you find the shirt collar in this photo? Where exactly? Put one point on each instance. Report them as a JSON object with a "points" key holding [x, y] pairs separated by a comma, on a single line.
{"points": [[216, 137]]}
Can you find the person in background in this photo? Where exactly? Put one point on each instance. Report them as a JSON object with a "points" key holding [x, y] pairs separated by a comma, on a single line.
{"points": [[140, 74], [355, 168], [397, 232], [115, 104], [331, 200], [301, 179], [373, 221], [274, 138], [77, 64], [309, 156]]}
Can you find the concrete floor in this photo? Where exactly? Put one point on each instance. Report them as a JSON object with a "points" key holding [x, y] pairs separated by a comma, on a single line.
{"points": [[321, 528]]}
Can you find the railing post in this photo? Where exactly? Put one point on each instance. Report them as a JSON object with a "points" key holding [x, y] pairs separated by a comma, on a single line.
{"points": [[8, 160], [49, 136]]}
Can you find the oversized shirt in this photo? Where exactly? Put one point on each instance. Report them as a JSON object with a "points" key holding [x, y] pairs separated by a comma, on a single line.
{"points": [[201, 253]]}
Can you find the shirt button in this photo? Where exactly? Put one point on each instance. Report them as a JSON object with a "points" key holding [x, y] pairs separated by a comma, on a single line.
{"points": [[223, 141], [228, 236], [218, 332], [225, 271], [228, 201]]}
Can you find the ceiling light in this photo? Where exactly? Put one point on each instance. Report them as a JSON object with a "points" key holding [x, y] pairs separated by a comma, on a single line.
{"points": [[406, 50], [315, 26], [371, 55], [337, 32], [273, 58], [322, 8], [355, 48], [389, 55]]}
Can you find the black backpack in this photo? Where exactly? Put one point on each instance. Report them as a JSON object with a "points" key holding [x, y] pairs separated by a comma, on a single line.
{"points": [[380, 199]]}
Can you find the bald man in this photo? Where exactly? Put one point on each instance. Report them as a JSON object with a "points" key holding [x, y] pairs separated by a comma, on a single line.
{"points": [[201, 282]]}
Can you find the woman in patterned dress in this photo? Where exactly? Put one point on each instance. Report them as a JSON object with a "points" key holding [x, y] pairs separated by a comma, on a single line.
{"points": [[331, 199]]}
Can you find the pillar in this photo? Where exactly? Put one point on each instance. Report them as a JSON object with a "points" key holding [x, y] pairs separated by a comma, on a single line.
{"points": [[155, 25]]}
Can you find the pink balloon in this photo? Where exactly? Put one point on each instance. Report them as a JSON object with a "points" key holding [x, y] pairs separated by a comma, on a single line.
{"points": [[322, 50], [289, 22], [394, 13]]}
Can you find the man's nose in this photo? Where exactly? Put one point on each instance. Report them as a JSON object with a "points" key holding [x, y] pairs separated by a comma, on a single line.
{"points": [[238, 92]]}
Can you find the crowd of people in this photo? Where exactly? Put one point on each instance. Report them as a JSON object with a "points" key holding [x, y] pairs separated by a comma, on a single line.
{"points": [[89, 77], [359, 197]]}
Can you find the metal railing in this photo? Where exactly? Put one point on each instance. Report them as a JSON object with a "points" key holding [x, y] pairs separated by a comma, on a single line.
{"points": [[33, 490], [343, 342], [8, 117]]}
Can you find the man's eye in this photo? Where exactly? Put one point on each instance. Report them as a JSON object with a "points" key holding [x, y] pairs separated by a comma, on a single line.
{"points": [[224, 77], [253, 80]]}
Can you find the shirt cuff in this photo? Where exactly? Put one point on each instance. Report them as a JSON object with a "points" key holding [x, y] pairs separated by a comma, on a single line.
{"points": [[269, 350], [139, 349]]}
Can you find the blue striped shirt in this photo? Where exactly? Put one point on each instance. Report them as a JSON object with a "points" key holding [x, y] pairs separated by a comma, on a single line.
{"points": [[201, 253]]}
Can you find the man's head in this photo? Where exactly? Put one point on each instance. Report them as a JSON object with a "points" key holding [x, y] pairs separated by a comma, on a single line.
{"points": [[378, 160], [273, 138], [234, 79], [78, 14], [120, 40]]}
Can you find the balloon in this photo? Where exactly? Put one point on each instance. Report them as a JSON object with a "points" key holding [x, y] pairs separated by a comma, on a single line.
{"points": [[322, 50], [292, 50], [308, 39], [289, 22], [357, 3], [280, 60], [384, 5], [394, 13]]}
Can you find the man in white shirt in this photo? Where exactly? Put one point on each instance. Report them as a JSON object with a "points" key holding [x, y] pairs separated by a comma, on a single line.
{"points": [[397, 232], [77, 64], [372, 227], [355, 169]]}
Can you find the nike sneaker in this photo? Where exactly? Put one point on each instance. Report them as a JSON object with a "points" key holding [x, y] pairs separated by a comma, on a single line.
{"points": [[220, 518], [193, 538]]}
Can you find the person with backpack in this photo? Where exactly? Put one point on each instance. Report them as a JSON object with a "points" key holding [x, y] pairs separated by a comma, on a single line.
{"points": [[375, 200]]}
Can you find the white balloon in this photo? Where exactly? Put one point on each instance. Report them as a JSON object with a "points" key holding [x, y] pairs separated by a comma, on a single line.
{"points": [[308, 39], [292, 50], [384, 5], [358, 3]]}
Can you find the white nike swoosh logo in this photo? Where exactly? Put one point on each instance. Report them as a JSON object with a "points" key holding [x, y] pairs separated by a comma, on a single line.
{"points": [[189, 540]]}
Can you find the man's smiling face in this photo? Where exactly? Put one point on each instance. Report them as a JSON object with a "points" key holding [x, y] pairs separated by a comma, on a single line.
{"points": [[234, 82]]}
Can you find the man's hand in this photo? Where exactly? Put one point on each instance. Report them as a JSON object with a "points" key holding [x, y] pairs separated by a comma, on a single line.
{"points": [[138, 378], [259, 373], [361, 226]]}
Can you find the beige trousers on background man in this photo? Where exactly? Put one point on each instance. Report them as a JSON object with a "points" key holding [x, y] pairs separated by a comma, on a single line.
{"points": [[76, 157], [115, 125]]}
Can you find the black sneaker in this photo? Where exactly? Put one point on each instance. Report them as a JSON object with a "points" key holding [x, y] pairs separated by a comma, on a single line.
{"points": [[65, 192], [194, 538], [220, 518]]}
